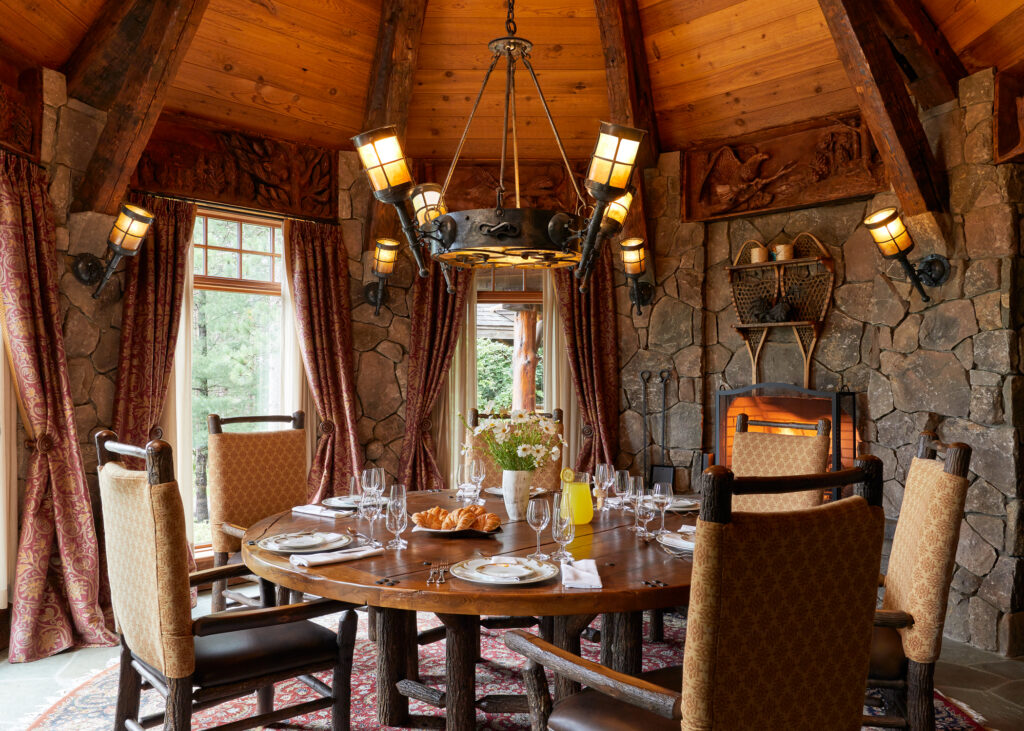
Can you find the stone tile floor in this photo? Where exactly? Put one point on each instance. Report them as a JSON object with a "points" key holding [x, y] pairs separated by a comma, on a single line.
{"points": [[991, 684]]}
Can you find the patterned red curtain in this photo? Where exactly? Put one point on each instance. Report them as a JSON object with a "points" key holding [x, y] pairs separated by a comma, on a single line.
{"points": [[57, 574], [591, 341], [437, 319], [150, 316], [317, 265]]}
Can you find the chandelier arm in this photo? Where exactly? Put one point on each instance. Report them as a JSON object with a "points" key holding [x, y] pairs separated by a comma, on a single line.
{"points": [[515, 138], [554, 129], [509, 71], [469, 121]]}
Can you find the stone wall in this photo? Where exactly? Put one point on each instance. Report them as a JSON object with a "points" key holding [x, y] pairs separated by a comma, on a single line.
{"points": [[950, 364]]}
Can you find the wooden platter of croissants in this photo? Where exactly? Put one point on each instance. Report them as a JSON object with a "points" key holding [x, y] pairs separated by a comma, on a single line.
{"points": [[466, 521]]}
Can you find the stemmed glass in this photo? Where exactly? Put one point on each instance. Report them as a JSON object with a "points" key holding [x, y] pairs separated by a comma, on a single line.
{"points": [[621, 486], [476, 477], [603, 476], [563, 529], [396, 518], [538, 515], [645, 514], [369, 509], [635, 498], [369, 482], [661, 496]]}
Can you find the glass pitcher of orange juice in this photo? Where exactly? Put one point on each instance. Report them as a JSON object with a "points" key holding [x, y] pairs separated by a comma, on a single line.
{"points": [[576, 493]]}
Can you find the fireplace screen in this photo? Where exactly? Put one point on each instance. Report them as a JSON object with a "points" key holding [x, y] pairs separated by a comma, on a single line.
{"points": [[785, 409]]}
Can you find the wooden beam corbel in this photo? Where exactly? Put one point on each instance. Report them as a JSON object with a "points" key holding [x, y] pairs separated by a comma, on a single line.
{"points": [[915, 175], [934, 70], [125, 66], [390, 92], [630, 100]]}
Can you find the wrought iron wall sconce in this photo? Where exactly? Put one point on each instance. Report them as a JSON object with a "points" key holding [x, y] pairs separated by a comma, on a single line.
{"points": [[125, 239], [894, 242], [634, 261], [385, 255]]}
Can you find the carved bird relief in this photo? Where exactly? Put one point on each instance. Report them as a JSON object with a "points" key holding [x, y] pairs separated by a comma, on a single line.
{"points": [[732, 181]]}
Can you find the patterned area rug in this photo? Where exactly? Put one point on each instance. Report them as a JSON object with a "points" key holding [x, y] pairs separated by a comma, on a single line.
{"points": [[90, 707]]}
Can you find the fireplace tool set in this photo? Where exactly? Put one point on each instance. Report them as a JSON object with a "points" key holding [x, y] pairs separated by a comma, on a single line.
{"points": [[663, 472]]}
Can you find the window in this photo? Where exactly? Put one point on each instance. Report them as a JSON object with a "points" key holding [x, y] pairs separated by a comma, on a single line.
{"points": [[509, 356], [238, 331]]}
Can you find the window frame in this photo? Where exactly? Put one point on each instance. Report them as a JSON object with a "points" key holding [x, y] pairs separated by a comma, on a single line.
{"points": [[239, 283]]}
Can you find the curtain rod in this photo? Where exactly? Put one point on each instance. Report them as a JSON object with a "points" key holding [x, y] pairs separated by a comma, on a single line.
{"points": [[229, 208], [26, 156]]}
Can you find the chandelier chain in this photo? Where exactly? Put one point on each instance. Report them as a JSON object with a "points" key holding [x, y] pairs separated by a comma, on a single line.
{"points": [[510, 19]]}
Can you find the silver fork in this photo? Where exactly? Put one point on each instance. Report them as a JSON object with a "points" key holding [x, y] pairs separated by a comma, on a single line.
{"points": [[441, 569], [432, 576]]}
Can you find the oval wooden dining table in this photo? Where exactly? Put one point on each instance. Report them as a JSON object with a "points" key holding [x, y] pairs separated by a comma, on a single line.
{"points": [[636, 575]]}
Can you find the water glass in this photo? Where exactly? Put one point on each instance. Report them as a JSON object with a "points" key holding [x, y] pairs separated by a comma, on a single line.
{"points": [[620, 484], [397, 518], [645, 510], [369, 508], [635, 497], [538, 515], [476, 475], [603, 476], [563, 529], [661, 496]]}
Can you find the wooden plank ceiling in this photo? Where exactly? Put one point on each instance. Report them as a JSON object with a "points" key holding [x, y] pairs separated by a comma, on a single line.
{"points": [[299, 69]]}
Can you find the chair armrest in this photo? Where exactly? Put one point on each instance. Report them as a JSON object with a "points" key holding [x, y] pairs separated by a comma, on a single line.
{"points": [[636, 692], [231, 529], [218, 573], [233, 620], [896, 618]]}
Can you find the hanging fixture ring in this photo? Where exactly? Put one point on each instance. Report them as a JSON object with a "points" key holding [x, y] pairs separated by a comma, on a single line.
{"points": [[510, 45]]}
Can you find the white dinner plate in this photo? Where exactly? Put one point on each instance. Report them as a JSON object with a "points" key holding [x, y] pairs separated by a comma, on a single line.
{"points": [[483, 571], [287, 543], [350, 502], [684, 504], [676, 543]]}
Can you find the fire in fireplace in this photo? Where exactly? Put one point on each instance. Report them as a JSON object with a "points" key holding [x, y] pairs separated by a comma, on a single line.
{"points": [[785, 409]]}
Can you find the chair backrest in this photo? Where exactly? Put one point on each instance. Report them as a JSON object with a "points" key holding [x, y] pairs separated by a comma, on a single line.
{"points": [[251, 475], [756, 454], [546, 477], [781, 607], [924, 547], [147, 554]]}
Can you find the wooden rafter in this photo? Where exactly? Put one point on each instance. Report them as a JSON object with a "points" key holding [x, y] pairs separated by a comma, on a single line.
{"points": [[886, 105], [125, 67], [630, 100], [933, 68], [387, 99]]}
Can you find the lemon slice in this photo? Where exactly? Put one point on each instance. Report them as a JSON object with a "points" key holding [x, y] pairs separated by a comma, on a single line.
{"points": [[567, 475]]}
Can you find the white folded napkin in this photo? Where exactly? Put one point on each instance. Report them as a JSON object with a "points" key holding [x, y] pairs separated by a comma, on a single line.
{"points": [[687, 530], [679, 542], [318, 559], [581, 575], [318, 510]]}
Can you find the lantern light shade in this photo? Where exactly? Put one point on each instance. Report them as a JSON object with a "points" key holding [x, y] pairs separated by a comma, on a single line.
{"points": [[385, 255], [889, 232], [427, 203], [384, 162], [633, 257], [129, 229], [619, 208], [611, 165]]}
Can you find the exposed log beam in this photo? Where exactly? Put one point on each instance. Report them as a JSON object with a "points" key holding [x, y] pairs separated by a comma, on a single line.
{"points": [[387, 100], [125, 67], [935, 70], [630, 100], [885, 103]]}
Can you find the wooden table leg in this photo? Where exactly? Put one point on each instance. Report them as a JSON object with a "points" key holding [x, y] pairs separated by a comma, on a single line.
{"points": [[461, 650], [622, 641], [412, 648], [567, 629], [392, 665]]}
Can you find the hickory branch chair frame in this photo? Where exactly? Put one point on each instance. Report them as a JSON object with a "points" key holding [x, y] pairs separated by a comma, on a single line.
{"points": [[199, 663], [231, 497], [619, 701]]}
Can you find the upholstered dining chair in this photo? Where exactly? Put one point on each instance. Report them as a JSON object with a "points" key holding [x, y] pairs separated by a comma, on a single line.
{"points": [[195, 664], [757, 454], [251, 475], [908, 631], [779, 627]]}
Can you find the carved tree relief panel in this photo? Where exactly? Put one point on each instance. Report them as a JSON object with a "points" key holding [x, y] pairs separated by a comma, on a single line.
{"points": [[20, 115], [239, 169], [788, 167]]}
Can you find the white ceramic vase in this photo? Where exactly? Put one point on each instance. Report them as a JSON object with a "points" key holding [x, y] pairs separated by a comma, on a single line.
{"points": [[515, 488]]}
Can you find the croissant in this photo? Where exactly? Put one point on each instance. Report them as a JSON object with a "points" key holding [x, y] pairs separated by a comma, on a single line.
{"points": [[460, 519], [433, 518], [476, 510], [487, 522]]}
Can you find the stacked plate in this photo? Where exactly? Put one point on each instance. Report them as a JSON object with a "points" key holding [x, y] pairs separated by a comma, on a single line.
{"points": [[684, 504], [350, 502], [678, 544], [305, 542], [504, 570]]}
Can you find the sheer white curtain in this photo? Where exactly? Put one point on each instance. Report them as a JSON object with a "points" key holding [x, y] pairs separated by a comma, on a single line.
{"points": [[9, 478], [448, 428], [559, 392]]}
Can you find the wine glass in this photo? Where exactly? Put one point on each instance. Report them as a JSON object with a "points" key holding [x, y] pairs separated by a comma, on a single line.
{"points": [[396, 518], [661, 496], [369, 508], [603, 476], [476, 476], [635, 497], [563, 529], [645, 510], [621, 486], [369, 481], [538, 515]]}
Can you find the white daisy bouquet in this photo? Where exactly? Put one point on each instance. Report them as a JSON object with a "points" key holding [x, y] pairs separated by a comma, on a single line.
{"points": [[522, 441]]}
